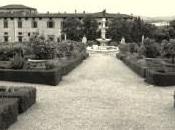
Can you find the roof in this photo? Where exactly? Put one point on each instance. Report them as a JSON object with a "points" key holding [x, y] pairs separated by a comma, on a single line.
{"points": [[62, 15], [15, 6]]}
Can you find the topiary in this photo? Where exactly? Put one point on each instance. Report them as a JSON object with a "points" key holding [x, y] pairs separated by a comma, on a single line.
{"points": [[18, 60]]}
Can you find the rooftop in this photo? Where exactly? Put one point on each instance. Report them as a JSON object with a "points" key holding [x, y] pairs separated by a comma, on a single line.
{"points": [[15, 6], [65, 15]]}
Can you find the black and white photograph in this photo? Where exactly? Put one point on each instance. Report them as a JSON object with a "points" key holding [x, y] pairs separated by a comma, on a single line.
{"points": [[87, 65]]}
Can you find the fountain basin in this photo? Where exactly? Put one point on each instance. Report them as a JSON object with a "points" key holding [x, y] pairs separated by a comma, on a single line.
{"points": [[109, 50], [103, 42]]}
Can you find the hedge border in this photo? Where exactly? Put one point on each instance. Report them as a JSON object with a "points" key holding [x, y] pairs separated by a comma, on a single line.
{"points": [[160, 79], [151, 76], [26, 96], [48, 77], [8, 112], [140, 70]]}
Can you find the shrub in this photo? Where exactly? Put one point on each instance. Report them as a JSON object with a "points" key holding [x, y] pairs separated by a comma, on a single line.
{"points": [[26, 96], [42, 49], [149, 48], [133, 47], [168, 50], [18, 60], [8, 112], [124, 48], [69, 49]]}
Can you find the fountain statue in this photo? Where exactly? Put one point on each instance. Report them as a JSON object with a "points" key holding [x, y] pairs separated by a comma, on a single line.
{"points": [[103, 40]]}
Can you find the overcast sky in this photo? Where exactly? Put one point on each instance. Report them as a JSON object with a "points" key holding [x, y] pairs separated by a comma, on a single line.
{"points": [[150, 8]]}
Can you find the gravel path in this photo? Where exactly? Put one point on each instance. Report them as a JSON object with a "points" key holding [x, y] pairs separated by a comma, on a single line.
{"points": [[101, 94]]}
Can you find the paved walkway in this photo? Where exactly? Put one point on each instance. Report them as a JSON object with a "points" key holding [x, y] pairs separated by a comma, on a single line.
{"points": [[101, 94]]}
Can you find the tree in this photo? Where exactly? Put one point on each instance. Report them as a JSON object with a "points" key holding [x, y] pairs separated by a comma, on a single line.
{"points": [[137, 29], [72, 27], [172, 23], [119, 28], [90, 27], [150, 48]]}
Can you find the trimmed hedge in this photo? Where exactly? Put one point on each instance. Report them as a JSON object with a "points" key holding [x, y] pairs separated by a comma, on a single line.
{"points": [[160, 78], [26, 96], [8, 112], [140, 70], [153, 75], [49, 77]]}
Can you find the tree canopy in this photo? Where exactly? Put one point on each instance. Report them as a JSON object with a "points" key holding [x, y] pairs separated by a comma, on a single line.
{"points": [[73, 28]]}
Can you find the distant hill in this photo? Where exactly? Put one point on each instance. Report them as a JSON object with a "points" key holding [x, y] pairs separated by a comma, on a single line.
{"points": [[158, 19]]}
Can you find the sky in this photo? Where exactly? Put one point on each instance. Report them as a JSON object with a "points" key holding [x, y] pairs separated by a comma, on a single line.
{"points": [[148, 8]]}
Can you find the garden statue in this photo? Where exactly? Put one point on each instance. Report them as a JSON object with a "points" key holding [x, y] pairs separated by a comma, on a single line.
{"points": [[143, 37], [84, 40], [65, 37], [122, 40]]}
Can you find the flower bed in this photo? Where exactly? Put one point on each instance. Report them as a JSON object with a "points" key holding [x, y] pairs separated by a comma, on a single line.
{"points": [[8, 112]]}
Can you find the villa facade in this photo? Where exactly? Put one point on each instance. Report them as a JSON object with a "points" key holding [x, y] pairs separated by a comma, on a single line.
{"points": [[18, 22]]}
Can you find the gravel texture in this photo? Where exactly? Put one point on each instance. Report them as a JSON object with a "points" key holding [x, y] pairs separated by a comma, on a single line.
{"points": [[100, 94]]}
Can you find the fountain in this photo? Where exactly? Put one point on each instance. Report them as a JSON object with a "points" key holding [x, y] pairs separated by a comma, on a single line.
{"points": [[103, 40], [103, 48]]}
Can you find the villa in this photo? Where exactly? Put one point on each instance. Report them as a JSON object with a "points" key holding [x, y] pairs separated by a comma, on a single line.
{"points": [[18, 22]]}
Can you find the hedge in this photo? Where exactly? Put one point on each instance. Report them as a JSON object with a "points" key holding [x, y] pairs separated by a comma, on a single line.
{"points": [[153, 75], [26, 96], [49, 77], [140, 70], [160, 78], [8, 112]]}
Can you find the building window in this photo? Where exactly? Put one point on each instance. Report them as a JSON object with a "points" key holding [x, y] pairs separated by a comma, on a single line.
{"points": [[6, 38], [62, 24], [5, 33], [28, 34], [20, 38], [19, 23], [50, 24], [5, 24], [34, 24], [19, 33]]}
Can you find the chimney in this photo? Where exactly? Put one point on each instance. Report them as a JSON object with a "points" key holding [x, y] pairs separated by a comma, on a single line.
{"points": [[75, 11], [84, 12]]}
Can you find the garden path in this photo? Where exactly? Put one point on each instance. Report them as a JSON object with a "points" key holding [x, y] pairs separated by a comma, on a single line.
{"points": [[100, 94]]}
